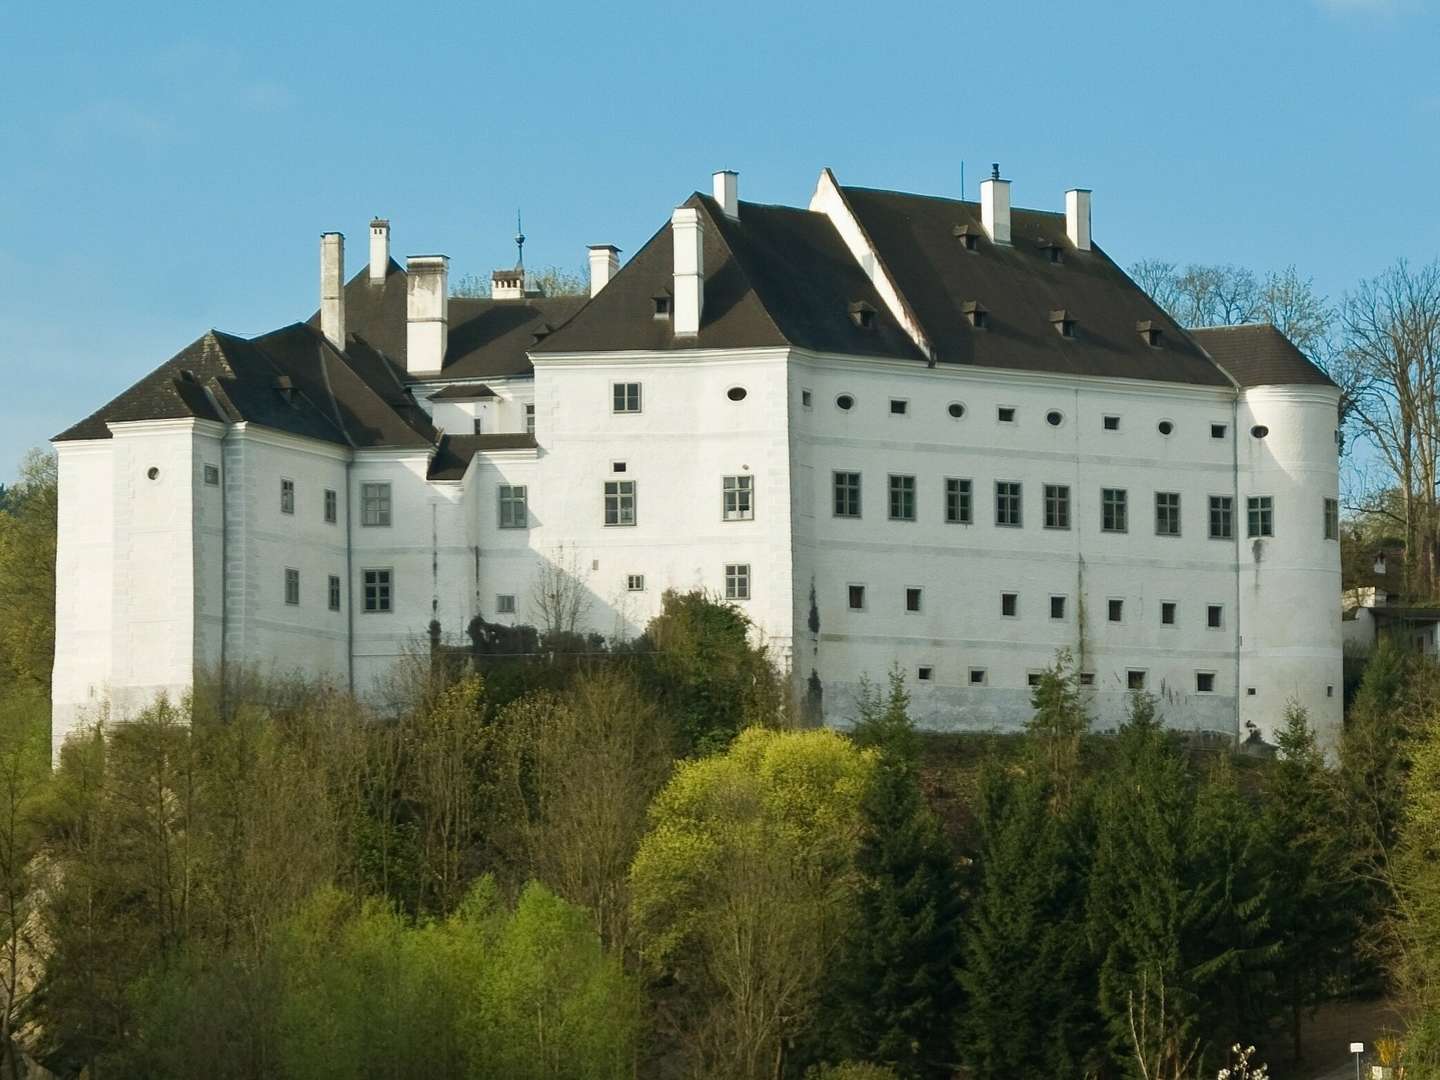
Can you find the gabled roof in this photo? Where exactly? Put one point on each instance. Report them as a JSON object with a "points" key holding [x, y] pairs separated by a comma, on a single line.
{"points": [[1258, 354], [778, 276], [470, 391]]}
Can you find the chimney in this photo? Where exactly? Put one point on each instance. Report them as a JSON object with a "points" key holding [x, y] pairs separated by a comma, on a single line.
{"points": [[332, 287], [1077, 217], [604, 264], [688, 234], [995, 206], [727, 192], [379, 250], [427, 312]]}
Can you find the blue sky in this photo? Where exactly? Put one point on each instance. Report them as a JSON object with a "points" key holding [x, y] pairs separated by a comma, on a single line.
{"points": [[169, 168]]}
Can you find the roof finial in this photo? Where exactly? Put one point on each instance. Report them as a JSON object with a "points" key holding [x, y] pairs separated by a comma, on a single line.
{"points": [[519, 243], [994, 170]]}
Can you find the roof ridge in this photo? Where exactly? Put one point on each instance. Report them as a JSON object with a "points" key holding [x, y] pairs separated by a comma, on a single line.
{"points": [[943, 199]]}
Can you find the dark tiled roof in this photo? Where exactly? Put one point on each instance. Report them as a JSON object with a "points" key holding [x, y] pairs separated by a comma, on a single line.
{"points": [[463, 392], [1020, 286], [455, 452], [778, 276], [1258, 354]]}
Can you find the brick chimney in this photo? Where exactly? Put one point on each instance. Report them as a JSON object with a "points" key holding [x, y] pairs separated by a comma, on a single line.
{"points": [[427, 312], [332, 287]]}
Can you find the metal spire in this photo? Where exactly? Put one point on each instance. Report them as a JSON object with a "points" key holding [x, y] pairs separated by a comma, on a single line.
{"points": [[519, 243]]}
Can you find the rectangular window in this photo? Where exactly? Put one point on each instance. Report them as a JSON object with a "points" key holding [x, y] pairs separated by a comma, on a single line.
{"points": [[1057, 506], [1057, 607], [738, 502], [1135, 680], [737, 581], [902, 498], [1222, 517], [958, 507], [1260, 516], [899, 407], [1110, 423], [374, 504], [212, 475], [1167, 513], [618, 466], [977, 676], [1033, 678], [847, 494], [1007, 503], [1167, 612], [1116, 610], [1005, 414], [912, 599], [620, 502], [514, 513], [1009, 604], [807, 399], [478, 426], [332, 504], [505, 603], [1204, 682], [287, 496], [1114, 510], [1215, 616], [626, 397], [334, 592], [1332, 519], [530, 419], [1087, 678], [378, 590], [857, 597], [635, 583], [292, 586], [1218, 431]]}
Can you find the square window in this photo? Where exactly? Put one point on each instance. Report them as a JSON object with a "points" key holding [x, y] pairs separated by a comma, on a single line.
{"points": [[959, 508], [1332, 519], [1005, 414], [635, 583], [625, 397], [1167, 513], [374, 504], [847, 494], [1167, 612], [738, 498], [1057, 607], [902, 498], [292, 586], [806, 399], [505, 604], [334, 592], [1116, 610], [737, 581], [1087, 678], [899, 407], [1057, 506], [1250, 691], [1222, 517], [514, 513], [620, 502], [1219, 431], [977, 676], [1110, 423], [332, 503], [1204, 682], [378, 590], [1215, 616], [212, 475], [912, 599], [1135, 680], [1114, 510], [857, 597], [924, 673], [530, 419], [1260, 516], [287, 496], [1033, 678], [1007, 503], [1009, 604]]}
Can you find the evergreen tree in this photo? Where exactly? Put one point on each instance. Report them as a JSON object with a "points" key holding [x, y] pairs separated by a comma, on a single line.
{"points": [[1058, 725]]}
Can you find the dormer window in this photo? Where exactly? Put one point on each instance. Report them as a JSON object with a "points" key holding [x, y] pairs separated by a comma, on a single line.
{"points": [[1150, 332], [1063, 321], [285, 388], [862, 314], [662, 305], [967, 236], [977, 314], [542, 332], [1052, 250]]}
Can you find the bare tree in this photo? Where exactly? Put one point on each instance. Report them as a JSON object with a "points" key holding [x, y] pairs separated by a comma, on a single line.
{"points": [[561, 599], [546, 280]]}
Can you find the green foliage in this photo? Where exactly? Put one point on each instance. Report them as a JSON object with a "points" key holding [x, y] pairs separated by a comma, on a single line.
{"points": [[27, 576], [1058, 724], [851, 1070], [1415, 870], [884, 719]]}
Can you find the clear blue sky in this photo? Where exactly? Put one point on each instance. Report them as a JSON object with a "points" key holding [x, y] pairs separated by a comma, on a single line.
{"points": [[169, 168]]}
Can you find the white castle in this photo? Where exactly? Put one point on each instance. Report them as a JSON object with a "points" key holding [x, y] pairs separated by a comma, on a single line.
{"points": [[892, 428]]}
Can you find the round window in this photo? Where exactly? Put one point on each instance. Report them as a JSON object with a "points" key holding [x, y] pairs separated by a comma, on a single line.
{"points": [[152, 472], [1054, 418], [845, 402], [736, 393], [1259, 431], [957, 410], [1165, 427]]}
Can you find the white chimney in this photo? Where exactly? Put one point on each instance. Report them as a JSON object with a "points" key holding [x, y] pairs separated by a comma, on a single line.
{"points": [[995, 206], [727, 192], [1077, 217], [427, 311], [332, 287], [688, 234], [379, 250], [604, 265]]}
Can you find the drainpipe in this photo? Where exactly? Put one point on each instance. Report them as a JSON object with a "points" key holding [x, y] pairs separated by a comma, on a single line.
{"points": [[349, 579], [1236, 517]]}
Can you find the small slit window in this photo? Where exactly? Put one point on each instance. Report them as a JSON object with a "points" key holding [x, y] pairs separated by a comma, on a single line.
{"points": [[1110, 423], [899, 407], [1005, 414]]}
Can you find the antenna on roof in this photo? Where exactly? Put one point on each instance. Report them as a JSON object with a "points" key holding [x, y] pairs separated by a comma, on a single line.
{"points": [[962, 180], [519, 243]]}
